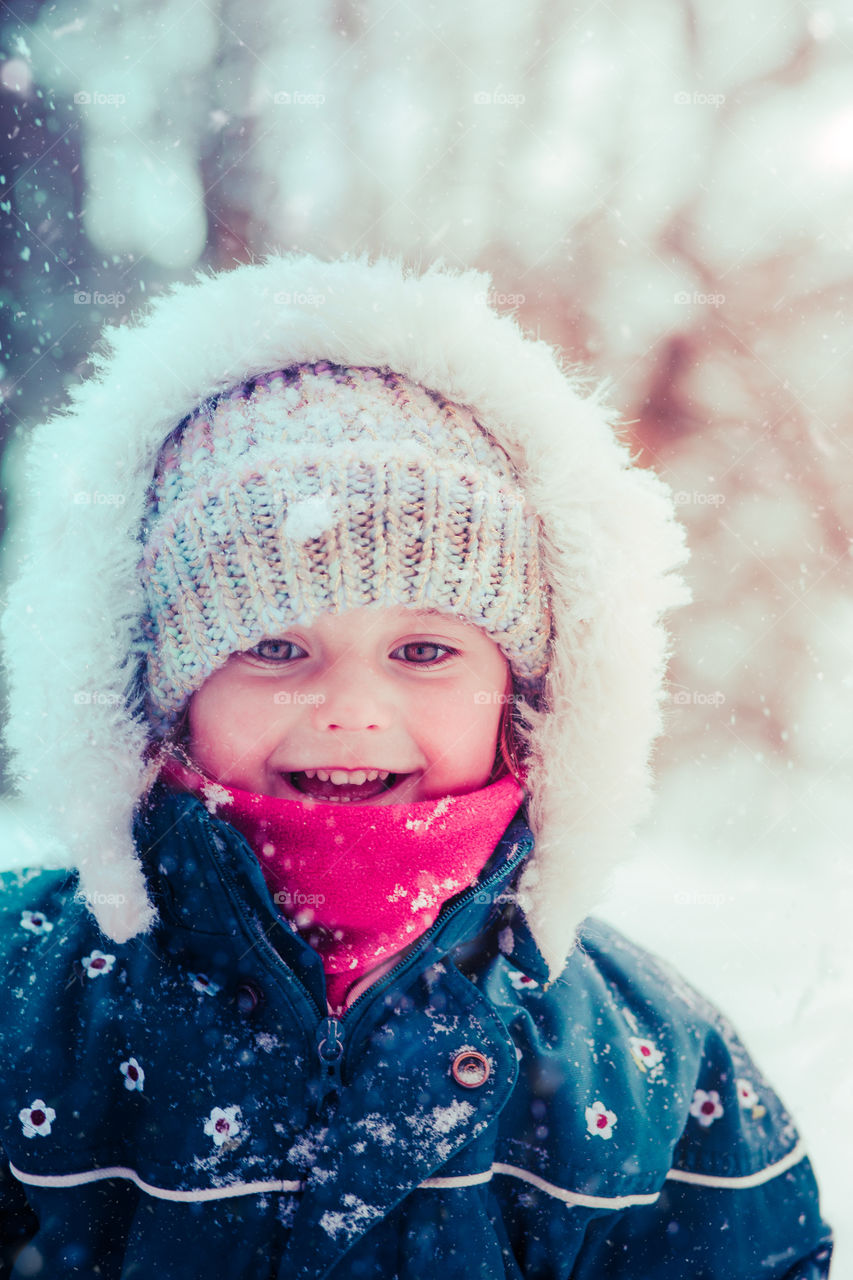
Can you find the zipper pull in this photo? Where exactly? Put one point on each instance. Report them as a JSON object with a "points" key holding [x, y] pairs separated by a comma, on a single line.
{"points": [[330, 1051]]}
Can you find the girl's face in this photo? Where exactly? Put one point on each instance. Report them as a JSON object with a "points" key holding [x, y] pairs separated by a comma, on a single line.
{"points": [[416, 693]]}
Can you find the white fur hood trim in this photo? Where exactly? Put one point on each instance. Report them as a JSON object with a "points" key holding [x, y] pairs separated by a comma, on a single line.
{"points": [[612, 550]]}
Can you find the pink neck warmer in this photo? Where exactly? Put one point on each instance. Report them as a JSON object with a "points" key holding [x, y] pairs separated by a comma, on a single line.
{"points": [[361, 882]]}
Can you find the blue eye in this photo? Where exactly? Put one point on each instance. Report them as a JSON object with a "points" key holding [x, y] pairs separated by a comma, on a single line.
{"points": [[273, 650]]}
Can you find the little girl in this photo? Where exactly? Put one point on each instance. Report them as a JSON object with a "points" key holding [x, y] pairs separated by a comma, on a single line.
{"points": [[335, 658]]}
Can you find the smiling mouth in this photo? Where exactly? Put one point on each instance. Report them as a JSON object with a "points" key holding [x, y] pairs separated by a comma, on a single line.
{"points": [[344, 792]]}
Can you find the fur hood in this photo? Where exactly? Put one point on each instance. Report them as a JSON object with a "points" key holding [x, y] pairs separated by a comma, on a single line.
{"points": [[611, 550]]}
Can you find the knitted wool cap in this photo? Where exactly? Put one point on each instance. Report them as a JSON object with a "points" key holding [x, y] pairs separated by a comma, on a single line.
{"points": [[320, 488]]}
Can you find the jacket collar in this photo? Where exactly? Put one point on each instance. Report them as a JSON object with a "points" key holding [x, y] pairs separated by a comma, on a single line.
{"points": [[204, 874]]}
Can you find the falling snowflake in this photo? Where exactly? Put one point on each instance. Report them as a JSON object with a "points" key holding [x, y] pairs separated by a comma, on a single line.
{"points": [[134, 1076], [37, 1118], [222, 1124], [96, 963], [35, 922], [706, 1107], [599, 1120], [201, 982]]}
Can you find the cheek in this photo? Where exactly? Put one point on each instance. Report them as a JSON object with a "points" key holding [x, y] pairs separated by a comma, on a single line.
{"points": [[222, 721], [487, 720], [471, 717], [203, 740], [209, 706]]}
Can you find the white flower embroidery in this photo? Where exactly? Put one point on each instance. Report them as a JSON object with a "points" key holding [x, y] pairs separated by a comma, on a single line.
{"points": [[222, 1124], [706, 1107], [35, 922], [96, 963], [599, 1120], [748, 1098], [521, 982], [746, 1095], [645, 1053], [37, 1118], [134, 1076], [201, 982]]}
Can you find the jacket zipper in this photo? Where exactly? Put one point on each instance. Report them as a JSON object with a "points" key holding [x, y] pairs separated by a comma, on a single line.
{"points": [[331, 1044], [330, 1051], [329, 1041], [331, 1033]]}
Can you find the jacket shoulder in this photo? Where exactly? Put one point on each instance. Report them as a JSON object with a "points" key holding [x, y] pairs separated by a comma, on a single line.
{"points": [[42, 919], [33, 899], [648, 1080], [637, 1101], [731, 1123], [647, 985]]}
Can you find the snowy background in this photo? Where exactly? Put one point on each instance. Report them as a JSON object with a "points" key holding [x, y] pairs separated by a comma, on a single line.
{"points": [[665, 190]]}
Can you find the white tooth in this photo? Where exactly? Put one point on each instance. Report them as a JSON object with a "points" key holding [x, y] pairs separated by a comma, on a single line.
{"points": [[343, 777]]}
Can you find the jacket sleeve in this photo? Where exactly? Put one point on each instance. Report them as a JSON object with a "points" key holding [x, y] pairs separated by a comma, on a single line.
{"points": [[815, 1267], [18, 1223], [740, 1199], [773, 1231]]}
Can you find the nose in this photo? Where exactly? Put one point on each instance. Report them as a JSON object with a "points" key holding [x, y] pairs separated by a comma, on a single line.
{"points": [[351, 697]]}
